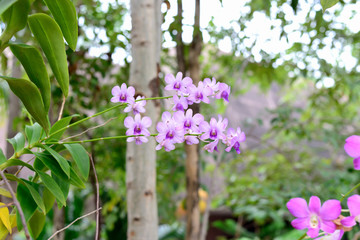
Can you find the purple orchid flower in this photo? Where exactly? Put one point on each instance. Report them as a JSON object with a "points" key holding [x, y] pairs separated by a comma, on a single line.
{"points": [[314, 217], [212, 84], [199, 94], [180, 103], [210, 147], [177, 84], [223, 92], [137, 126], [188, 121], [233, 139], [169, 132], [337, 235], [136, 106], [352, 148], [124, 94], [214, 130], [354, 207]]}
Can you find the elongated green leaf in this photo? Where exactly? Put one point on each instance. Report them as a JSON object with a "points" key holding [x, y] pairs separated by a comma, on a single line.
{"points": [[36, 224], [49, 199], [30, 96], [2, 157], [15, 162], [18, 142], [76, 180], [15, 17], [35, 68], [33, 133], [5, 4], [60, 159], [50, 38], [328, 4], [62, 123], [36, 196], [5, 217], [27, 203], [5, 193], [64, 13], [80, 157], [64, 186], [51, 164], [53, 187]]}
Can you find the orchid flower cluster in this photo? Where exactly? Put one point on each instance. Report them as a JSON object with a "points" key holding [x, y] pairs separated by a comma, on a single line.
{"points": [[181, 124], [327, 217]]}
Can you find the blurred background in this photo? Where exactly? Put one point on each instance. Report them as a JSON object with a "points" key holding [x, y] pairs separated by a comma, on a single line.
{"points": [[294, 74]]}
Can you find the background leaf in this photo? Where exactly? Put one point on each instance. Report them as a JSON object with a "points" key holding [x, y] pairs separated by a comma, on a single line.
{"points": [[36, 224], [30, 96], [35, 68], [64, 13], [47, 32], [57, 126], [2, 157], [5, 4], [328, 4]]}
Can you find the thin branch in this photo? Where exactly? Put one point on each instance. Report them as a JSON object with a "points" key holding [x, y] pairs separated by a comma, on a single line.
{"points": [[62, 107], [17, 204], [92, 128], [58, 231], [7, 205], [97, 199]]}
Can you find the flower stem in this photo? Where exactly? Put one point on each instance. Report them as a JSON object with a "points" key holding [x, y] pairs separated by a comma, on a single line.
{"points": [[100, 139], [351, 190], [303, 236]]}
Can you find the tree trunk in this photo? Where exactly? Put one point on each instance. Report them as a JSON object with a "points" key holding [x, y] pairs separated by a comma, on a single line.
{"points": [[192, 152], [141, 159]]}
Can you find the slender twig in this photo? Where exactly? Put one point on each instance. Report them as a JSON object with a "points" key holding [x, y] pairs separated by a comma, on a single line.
{"points": [[97, 199], [17, 204], [88, 214], [89, 129], [62, 107], [347, 194], [7, 205], [302, 236]]}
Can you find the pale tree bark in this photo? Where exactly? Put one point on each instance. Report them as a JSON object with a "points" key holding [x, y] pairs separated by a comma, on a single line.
{"points": [[192, 151], [141, 159]]}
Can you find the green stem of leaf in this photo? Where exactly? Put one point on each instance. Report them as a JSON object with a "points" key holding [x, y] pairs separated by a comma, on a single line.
{"points": [[348, 193]]}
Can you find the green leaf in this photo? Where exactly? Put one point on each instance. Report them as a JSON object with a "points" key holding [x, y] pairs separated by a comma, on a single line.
{"points": [[62, 123], [15, 18], [36, 224], [48, 199], [60, 159], [36, 196], [50, 38], [28, 205], [63, 184], [2, 157], [53, 187], [76, 180], [5, 4], [328, 4], [5, 193], [33, 133], [35, 68], [15, 162], [80, 157], [64, 13], [30, 96], [51, 164], [18, 142]]}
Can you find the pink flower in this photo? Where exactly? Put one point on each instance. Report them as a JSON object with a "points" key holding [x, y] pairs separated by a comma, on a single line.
{"points": [[137, 126], [180, 103], [123, 94], [337, 235], [178, 84], [214, 130], [136, 106], [354, 207], [233, 139], [314, 217], [212, 146], [169, 133], [352, 148], [212, 84], [224, 92], [189, 124], [199, 94]]}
